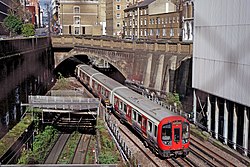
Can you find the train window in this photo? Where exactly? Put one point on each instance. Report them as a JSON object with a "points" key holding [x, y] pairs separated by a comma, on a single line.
{"points": [[144, 122], [134, 114], [125, 108], [166, 132], [102, 91], [150, 126], [120, 105], [155, 131], [185, 130], [95, 86], [139, 118]]}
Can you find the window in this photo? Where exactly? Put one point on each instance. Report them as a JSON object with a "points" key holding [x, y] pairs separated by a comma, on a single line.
{"points": [[118, 15], [120, 105], [118, 24], [77, 20], [166, 132], [151, 32], [134, 114], [126, 14], [118, 0], [76, 9], [125, 107], [150, 126], [164, 33], [155, 131], [141, 22], [145, 32], [141, 32], [145, 22], [171, 32], [145, 11], [185, 130], [118, 7], [139, 118], [141, 12]]}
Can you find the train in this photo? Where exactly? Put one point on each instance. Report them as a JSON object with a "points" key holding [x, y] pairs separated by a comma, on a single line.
{"points": [[165, 132]]}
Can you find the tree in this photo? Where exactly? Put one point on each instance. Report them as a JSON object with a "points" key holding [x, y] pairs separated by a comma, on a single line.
{"points": [[28, 30], [13, 24]]}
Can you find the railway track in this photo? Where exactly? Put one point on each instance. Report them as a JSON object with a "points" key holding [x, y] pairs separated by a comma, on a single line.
{"points": [[81, 149], [55, 153], [211, 157]]}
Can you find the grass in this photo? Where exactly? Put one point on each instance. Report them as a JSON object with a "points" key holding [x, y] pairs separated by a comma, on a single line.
{"points": [[12, 136]]}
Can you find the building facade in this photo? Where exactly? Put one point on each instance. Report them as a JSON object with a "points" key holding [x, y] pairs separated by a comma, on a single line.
{"points": [[82, 17], [188, 20], [115, 16], [153, 19], [220, 74]]}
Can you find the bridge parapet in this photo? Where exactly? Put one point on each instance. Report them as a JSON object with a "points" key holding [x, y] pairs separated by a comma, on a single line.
{"points": [[171, 47]]}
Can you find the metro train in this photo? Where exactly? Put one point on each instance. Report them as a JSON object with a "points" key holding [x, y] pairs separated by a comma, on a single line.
{"points": [[165, 132]]}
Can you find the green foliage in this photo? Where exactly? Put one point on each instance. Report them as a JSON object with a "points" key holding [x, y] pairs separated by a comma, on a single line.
{"points": [[108, 158], [108, 154], [28, 30], [174, 99], [43, 142], [13, 24], [14, 134]]}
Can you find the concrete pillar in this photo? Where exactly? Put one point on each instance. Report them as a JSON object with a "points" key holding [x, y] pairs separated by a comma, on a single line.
{"points": [[208, 114], [234, 127], [216, 122], [194, 105], [225, 127], [148, 72], [245, 131], [159, 75]]}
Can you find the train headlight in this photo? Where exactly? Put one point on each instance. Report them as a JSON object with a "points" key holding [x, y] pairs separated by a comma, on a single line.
{"points": [[184, 141]]}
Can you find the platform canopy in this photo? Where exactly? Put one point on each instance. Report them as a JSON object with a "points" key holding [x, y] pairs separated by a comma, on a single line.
{"points": [[69, 103]]}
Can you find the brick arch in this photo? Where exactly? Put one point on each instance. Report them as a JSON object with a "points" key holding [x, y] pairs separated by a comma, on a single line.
{"points": [[120, 65]]}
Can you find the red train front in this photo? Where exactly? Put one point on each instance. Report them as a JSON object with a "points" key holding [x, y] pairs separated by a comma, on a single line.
{"points": [[173, 136]]}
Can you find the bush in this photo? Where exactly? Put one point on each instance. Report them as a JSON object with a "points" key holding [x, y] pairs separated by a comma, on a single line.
{"points": [[13, 24], [28, 30]]}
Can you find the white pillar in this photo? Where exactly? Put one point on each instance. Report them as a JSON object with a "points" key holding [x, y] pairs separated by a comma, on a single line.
{"points": [[208, 114], [159, 75], [194, 105], [245, 132], [225, 127], [148, 72], [234, 127], [216, 122]]}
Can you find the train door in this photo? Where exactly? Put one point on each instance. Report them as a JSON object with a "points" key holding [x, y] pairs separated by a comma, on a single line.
{"points": [[176, 132], [128, 114], [144, 126]]}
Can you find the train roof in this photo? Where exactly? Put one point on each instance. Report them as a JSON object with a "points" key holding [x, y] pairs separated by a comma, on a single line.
{"points": [[88, 69], [150, 108], [106, 81]]}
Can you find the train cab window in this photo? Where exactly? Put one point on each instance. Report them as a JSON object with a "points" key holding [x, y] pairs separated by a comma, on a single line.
{"points": [[166, 132], [150, 126], [134, 114], [185, 132], [139, 118], [156, 129]]}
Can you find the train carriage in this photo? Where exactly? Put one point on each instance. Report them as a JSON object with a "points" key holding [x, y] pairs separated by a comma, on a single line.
{"points": [[164, 131]]}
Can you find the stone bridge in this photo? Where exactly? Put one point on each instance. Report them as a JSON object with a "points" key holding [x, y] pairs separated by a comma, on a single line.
{"points": [[145, 63]]}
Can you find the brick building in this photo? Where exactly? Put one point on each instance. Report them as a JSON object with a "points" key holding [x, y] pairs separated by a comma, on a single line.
{"points": [[115, 16], [82, 17], [153, 19]]}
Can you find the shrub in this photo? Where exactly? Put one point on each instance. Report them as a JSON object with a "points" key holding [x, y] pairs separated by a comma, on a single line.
{"points": [[28, 30]]}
